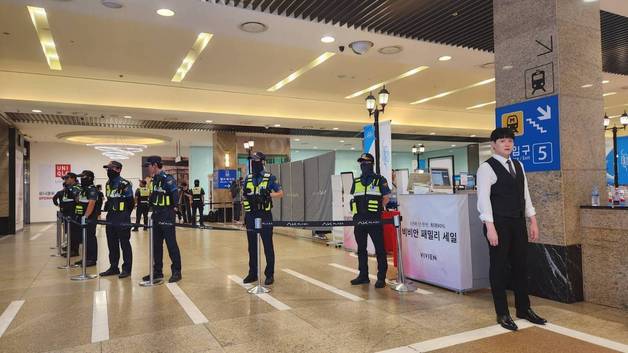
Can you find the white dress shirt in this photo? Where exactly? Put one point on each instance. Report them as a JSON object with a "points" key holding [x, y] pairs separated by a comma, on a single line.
{"points": [[486, 178]]}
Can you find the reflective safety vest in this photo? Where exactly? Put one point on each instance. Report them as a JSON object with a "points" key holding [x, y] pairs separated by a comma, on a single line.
{"points": [[196, 194], [68, 200], [144, 195], [116, 202], [367, 199], [159, 197], [82, 201], [255, 192]]}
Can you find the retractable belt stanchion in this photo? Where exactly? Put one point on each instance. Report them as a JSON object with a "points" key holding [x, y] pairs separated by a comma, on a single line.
{"points": [[151, 274], [83, 276], [259, 288], [400, 284], [58, 247], [68, 246]]}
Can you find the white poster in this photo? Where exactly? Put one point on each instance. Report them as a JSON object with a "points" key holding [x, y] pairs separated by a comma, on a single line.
{"points": [[385, 149], [436, 240]]}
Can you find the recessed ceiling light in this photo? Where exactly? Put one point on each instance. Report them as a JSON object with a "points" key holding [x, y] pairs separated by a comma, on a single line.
{"points": [[378, 85], [342, 141], [40, 22], [605, 82], [444, 58], [444, 94], [293, 76], [352, 148], [480, 105], [335, 128], [609, 94], [507, 67], [209, 121], [432, 133], [297, 140], [587, 85], [453, 145], [36, 111], [197, 48], [253, 27], [165, 12], [277, 125], [128, 117], [389, 50], [328, 39], [111, 4], [472, 136]]}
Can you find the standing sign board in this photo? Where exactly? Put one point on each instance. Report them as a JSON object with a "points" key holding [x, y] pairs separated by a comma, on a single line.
{"points": [[536, 126]]}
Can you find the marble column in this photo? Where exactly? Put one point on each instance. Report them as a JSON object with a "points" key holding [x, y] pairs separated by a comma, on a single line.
{"points": [[563, 38]]}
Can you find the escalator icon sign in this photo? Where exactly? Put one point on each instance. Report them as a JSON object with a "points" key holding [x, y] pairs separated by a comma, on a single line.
{"points": [[514, 121]]}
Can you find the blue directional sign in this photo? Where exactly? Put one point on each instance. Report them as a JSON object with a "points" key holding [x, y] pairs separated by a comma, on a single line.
{"points": [[224, 177], [536, 126]]}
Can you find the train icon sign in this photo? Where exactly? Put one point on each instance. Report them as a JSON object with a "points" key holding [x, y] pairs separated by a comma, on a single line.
{"points": [[536, 126]]}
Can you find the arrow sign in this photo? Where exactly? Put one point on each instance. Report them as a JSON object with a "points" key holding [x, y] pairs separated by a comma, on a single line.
{"points": [[549, 48], [545, 114]]}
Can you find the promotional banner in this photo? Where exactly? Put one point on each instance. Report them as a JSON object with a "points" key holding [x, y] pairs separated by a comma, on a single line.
{"points": [[385, 146], [436, 240], [622, 161]]}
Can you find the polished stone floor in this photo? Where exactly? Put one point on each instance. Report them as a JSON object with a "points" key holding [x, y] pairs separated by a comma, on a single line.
{"points": [[59, 315]]}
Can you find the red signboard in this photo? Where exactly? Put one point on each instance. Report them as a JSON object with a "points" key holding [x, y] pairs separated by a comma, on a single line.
{"points": [[62, 169]]}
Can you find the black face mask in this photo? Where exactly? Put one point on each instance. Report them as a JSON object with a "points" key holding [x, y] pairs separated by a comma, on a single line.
{"points": [[257, 167], [111, 174], [367, 169], [196, 184]]}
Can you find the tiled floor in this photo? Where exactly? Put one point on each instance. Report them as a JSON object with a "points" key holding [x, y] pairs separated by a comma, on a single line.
{"points": [[57, 313]]}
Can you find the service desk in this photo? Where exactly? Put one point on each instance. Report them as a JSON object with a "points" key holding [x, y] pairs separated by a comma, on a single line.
{"points": [[605, 255], [443, 242]]}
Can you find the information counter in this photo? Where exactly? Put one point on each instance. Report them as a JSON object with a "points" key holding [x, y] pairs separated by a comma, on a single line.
{"points": [[443, 242]]}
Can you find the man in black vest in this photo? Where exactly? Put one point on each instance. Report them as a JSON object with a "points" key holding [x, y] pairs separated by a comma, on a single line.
{"points": [[504, 203], [142, 195], [198, 200]]}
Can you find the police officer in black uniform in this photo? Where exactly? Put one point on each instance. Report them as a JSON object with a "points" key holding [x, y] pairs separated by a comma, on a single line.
{"points": [[163, 200], [86, 207], [198, 200], [101, 198], [259, 187], [370, 193], [119, 205], [142, 195], [67, 204]]}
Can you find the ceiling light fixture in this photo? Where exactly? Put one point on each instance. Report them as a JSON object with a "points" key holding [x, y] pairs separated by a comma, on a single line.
{"points": [[352, 148], [453, 145], [444, 94], [277, 125], [507, 67], [390, 50], [165, 12], [444, 58], [587, 85], [36, 111], [342, 141], [328, 39], [111, 4], [609, 94], [381, 84], [40, 22], [432, 133], [209, 121], [480, 105], [253, 27], [335, 128], [473, 136], [128, 117], [199, 45], [297, 140], [605, 82], [293, 76]]}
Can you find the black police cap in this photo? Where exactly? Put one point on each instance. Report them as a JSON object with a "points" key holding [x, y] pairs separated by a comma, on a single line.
{"points": [[112, 164], [152, 160], [366, 157], [258, 156], [69, 175], [86, 173]]}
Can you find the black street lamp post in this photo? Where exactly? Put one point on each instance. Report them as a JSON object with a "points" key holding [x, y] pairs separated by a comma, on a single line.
{"points": [[417, 150], [373, 109], [624, 122], [248, 146]]}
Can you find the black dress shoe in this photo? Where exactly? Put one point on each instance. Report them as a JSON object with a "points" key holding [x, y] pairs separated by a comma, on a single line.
{"points": [[532, 317], [249, 279], [506, 322], [156, 276], [176, 277], [380, 283], [269, 281], [110, 272], [124, 274], [360, 280]]}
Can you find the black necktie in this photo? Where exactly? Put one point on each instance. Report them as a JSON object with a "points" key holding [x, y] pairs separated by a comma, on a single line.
{"points": [[510, 170]]}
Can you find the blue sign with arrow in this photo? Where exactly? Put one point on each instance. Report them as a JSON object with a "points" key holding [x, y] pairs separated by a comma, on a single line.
{"points": [[536, 126]]}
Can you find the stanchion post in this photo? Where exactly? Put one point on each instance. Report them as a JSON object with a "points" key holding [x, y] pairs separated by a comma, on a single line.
{"points": [[58, 247], [68, 247], [151, 274], [400, 284], [83, 276], [259, 288]]}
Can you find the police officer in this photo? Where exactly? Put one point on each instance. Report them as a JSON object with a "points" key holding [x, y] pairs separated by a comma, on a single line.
{"points": [[86, 207], [370, 193], [163, 200], [67, 204], [101, 198], [259, 187], [198, 200], [119, 205], [141, 200]]}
